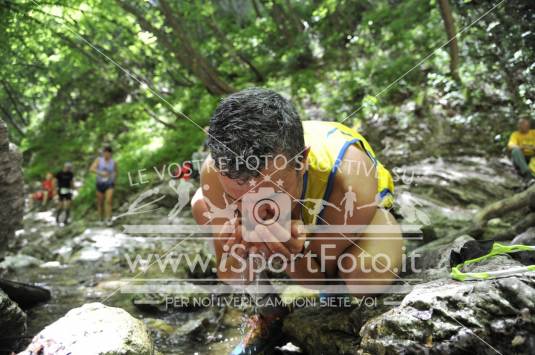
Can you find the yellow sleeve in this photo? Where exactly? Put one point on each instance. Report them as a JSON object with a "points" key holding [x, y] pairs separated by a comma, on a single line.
{"points": [[513, 140]]}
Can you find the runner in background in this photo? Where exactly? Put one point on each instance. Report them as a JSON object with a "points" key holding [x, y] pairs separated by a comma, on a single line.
{"points": [[106, 170], [65, 185]]}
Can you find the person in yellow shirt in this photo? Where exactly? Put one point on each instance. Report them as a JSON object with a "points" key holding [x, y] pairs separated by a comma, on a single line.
{"points": [[522, 147]]}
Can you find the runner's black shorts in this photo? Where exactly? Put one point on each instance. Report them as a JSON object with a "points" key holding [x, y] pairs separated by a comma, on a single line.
{"points": [[65, 197], [104, 185]]}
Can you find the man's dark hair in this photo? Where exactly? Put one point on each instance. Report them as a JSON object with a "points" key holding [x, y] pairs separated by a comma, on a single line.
{"points": [[254, 123], [107, 148]]}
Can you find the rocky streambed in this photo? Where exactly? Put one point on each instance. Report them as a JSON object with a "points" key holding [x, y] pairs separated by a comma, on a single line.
{"points": [[84, 265]]}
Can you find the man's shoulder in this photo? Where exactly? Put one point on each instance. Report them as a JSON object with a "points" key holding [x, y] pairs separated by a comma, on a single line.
{"points": [[356, 162], [356, 166], [207, 167], [209, 174]]}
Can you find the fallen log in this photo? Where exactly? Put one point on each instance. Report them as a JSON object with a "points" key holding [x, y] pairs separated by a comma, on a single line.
{"points": [[517, 228], [509, 204]]}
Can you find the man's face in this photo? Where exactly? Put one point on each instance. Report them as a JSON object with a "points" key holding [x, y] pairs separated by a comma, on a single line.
{"points": [[286, 180], [523, 126], [107, 155]]}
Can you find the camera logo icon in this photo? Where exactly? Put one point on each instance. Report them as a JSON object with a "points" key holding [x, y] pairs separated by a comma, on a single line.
{"points": [[265, 207]]}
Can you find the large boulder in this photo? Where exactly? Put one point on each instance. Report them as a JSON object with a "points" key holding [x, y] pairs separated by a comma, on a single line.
{"points": [[449, 317], [11, 189], [94, 329], [438, 316], [12, 322]]}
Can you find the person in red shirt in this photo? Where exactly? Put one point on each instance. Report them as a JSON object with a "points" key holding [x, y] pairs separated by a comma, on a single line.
{"points": [[48, 187], [183, 172]]}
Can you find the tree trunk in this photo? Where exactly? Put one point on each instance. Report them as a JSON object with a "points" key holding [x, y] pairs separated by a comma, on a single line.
{"points": [[11, 121], [283, 23], [230, 47], [181, 48], [14, 102], [155, 117], [449, 25], [256, 9], [501, 56], [190, 57]]}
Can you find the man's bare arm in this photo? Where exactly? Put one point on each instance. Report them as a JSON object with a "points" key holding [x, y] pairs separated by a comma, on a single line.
{"points": [[362, 179]]}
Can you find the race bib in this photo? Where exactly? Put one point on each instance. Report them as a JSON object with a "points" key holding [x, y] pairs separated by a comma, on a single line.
{"points": [[64, 190]]}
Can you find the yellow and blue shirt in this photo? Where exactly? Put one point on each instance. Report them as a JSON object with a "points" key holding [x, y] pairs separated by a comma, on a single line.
{"points": [[328, 143]]}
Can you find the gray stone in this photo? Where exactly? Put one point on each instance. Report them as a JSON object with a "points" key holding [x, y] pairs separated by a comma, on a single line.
{"points": [[436, 254], [323, 330], [94, 329], [526, 238], [12, 322], [439, 316], [451, 317], [19, 261]]}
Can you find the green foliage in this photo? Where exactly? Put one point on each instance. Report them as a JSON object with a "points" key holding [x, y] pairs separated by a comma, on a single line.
{"points": [[63, 97]]}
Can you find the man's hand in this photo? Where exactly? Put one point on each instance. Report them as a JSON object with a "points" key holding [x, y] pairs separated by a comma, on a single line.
{"points": [[273, 235], [233, 242]]}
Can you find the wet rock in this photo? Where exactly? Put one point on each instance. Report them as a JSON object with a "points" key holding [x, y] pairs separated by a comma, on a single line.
{"points": [[436, 254], [189, 298], [435, 216], [11, 189], [446, 316], [463, 180], [94, 329], [51, 265], [322, 330], [19, 261], [12, 322], [159, 326], [194, 329], [445, 193], [289, 348], [438, 316], [526, 238]]}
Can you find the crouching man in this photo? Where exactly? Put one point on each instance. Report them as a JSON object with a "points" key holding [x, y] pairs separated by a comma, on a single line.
{"points": [[522, 147], [285, 187]]}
